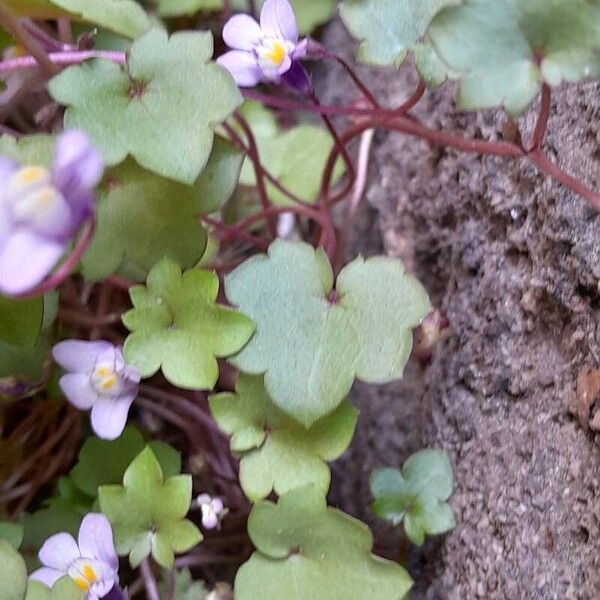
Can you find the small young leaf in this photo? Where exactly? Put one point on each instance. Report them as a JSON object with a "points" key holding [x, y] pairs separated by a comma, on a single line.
{"points": [[13, 573], [296, 157], [177, 325], [324, 552], [502, 51], [20, 320], [64, 589], [161, 108], [311, 341], [417, 495], [388, 29], [277, 453], [103, 462], [148, 512]]}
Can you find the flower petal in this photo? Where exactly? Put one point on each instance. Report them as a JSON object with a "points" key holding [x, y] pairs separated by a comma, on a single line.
{"points": [[78, 390], [243, 67], [109, 416], [96, 539], [26, 258], [297, 78], [277, 19], [76, 171], [47, 576], [78, 356], [7, 169], [241, 32], [59, 551]]}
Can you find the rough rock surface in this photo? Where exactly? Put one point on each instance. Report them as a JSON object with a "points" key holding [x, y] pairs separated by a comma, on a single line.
{"points": [[513, 260]]}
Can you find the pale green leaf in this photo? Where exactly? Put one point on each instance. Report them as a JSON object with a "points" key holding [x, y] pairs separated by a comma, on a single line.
{"points": [[161, 108], [174, 8], [307, 550], [20, 320], [35, 150], [389, 29], [278, 454], [296, 157], [148, 512], [312, 345], [64, 589], [13, 573], [502, 50], [11, 533], [103, 462], [177, 325], [416, 495]]}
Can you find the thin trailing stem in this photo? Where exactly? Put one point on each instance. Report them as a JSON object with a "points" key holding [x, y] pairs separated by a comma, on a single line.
{"points": [[542, 122], [149, 581], [60, 58], [14, 27]]}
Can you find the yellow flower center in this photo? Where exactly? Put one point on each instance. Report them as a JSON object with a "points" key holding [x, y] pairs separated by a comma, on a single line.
{"points": [[86, 579], [273, 51], [104, 379], [31, 175]]}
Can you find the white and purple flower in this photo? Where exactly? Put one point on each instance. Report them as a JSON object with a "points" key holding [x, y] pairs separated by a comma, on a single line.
{"points": [[268, 52], [97, 378], [213, 510], [42, 209], [91, 561]]}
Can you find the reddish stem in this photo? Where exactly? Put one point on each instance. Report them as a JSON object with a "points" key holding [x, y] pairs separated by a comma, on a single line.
{"points": [[412, 100], [542, 122], [232, 231], [56, 278], [61, 58]]}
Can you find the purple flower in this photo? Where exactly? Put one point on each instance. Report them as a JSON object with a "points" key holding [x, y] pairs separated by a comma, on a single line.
{"points": [[91, 562], [213, 510], [41, 210], [266, 52], [98, 378]]}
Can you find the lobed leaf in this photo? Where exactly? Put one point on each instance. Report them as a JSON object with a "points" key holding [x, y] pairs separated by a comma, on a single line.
{"points": [[312, 340], [13, 573], [417, 495], [161, 107], [278, 454], [148, 512], [308, 550], [176, 325], [20, 320]]}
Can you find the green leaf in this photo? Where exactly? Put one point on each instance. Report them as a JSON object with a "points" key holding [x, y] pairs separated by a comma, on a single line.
{"points": [[125, 17], [143, 217], [121, 16], [296, 157], [185, 587], [11, 533], [502, 51], [307, 550], [29, 150], [177, 325], [103, 462], [13, 573], [20, 320], [64, 589], [147, 512], [277, 453], [417, 495], [161, 108], [174, 8], [310, 347], [389, 29]]}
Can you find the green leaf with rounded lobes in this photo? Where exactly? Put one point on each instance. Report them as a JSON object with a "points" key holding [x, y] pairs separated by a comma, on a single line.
{"points": [[308, 550], [103, 462], [176, 325], [12, 533], [13, 573], [161, 107], [277, 453], [312, 340], [416, 495], [64, 589], [296, 157], [389, 29], [125, 17], [142, 217], [502, 51], [148, 512]]}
